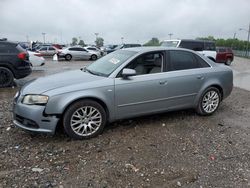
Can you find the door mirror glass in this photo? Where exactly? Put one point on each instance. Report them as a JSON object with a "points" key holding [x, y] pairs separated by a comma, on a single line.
{"points": [[128, 72]]}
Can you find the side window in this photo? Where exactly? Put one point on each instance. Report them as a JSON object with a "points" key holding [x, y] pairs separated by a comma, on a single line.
{"points": [[202, 63], [147, 63], [182, 60], [195, 45], [43, 49], [51, 48], [210, 46], [3, 48]]}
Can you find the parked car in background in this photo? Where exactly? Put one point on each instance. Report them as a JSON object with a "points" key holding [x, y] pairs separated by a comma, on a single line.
{"points": [[118, 47], [109, 48], [14, 63], [36, 59], [123, 84], [94, 49], [77, 52], [47, 50], [224, 55], [206, 48]]}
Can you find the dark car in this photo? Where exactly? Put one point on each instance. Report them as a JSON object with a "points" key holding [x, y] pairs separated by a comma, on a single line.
{"points": [[14, 63], [224, 55]]}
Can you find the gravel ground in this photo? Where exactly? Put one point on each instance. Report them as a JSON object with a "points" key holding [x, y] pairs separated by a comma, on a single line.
{"points": [[177, 149]]}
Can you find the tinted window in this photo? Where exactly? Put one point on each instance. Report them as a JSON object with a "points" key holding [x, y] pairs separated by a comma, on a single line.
{"points": [[51, 48], [210, 46], [7, 48], [202, 63], [43, 49], [221, 50], [91, 48], [76, 49], [181, 60], [192, 45]]}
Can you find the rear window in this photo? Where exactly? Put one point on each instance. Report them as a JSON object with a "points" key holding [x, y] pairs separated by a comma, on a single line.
{"points": [[8, 47]]}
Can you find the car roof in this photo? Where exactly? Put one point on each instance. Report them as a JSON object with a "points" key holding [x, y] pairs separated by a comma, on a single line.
{"points": [[191, 40], [156, 48]]}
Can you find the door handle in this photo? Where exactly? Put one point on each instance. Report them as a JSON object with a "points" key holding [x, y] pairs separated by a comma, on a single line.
{"points": [[200, 77], [163, 82]]}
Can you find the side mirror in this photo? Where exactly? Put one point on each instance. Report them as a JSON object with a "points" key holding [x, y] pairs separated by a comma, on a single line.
{"points": [[128, 72]]}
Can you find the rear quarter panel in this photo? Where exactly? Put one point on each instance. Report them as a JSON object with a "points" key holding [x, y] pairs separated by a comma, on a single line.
{"points": [[218, 75]]}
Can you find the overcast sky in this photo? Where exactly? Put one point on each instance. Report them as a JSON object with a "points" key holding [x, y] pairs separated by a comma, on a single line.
{"points": [[135, 20]]}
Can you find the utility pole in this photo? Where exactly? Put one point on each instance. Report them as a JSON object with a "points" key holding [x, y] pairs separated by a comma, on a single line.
{"points": [[170, 35], [43, 37], [248, 33]]}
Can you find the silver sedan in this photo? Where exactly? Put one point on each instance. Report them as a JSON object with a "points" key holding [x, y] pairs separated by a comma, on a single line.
{"points": [[124, 84]]}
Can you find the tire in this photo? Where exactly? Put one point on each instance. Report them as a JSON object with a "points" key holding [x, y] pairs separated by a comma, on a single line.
{"points": [[228, 62], [6, 77], [93, 57], [68, 57], [80, 126], [209, 101]]}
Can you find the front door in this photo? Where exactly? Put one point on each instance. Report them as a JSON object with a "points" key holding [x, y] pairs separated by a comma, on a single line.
{"points": [[145, 92]]}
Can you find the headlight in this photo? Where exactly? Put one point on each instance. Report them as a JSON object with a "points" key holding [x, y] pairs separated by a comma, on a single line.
{"points": [[35, 99]]}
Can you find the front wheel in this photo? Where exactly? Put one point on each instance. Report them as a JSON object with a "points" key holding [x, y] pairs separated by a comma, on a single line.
{"points": [[6, 77], [93, 57], [84, 119], [68, 57], [209, 101]]}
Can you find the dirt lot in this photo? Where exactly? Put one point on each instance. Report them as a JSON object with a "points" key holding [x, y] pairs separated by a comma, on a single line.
{"points": [[177, 149]]}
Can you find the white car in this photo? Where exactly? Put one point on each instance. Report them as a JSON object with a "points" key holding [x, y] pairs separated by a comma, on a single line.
{"points": [[95, 49], [36, 59], [206, 48], [77, 52]]}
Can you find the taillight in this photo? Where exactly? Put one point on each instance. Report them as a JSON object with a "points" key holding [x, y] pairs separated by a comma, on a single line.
{"points": [[22, 55]]}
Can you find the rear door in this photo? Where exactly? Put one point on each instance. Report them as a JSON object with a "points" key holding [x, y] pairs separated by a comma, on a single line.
{"points": [[186, 75]]}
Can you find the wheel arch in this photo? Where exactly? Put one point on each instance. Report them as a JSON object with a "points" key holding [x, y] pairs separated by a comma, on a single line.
{"points": [[9, 67], [216, 85]]}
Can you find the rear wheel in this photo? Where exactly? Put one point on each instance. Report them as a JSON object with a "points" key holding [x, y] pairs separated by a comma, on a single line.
{"points": [[6, 77], [84, 119], [68, 57], [209, 101], [229, 61]]}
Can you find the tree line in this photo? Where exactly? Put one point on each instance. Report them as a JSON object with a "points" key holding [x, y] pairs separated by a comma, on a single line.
{"points": [[235, 43]]}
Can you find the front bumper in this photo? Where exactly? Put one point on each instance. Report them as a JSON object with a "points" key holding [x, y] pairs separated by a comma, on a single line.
{"points": [[32, 118]]}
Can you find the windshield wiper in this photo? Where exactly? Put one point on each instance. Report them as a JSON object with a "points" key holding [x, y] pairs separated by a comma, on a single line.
{"points": [[93, 72]]}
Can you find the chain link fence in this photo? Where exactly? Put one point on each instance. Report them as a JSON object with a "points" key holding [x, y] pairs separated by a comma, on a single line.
{"points": [[242, 53]]}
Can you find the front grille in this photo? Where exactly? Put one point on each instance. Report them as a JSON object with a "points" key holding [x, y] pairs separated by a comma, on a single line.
{"points": [[26, 122]]}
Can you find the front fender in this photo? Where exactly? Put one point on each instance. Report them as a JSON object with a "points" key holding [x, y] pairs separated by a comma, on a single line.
{"points": [[58, 103]]}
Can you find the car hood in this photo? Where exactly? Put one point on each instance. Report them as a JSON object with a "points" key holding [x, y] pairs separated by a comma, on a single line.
{"points": [[60, 80]]}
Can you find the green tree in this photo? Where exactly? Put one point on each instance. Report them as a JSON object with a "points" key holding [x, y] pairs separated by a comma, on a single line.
{"points": [[74, 41], [153, 42], [99, 41], [81, 43], [211, 38]]}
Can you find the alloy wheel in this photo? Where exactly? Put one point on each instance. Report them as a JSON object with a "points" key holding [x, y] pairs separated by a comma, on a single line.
{"points": [[86, 120]]}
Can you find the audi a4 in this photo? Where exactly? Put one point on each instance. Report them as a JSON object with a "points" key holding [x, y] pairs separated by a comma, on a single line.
{"points": [[124, 84]]}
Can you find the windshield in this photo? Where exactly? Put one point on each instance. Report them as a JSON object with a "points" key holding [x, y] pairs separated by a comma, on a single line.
{"points": [[170, 43], [107, 64]]}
